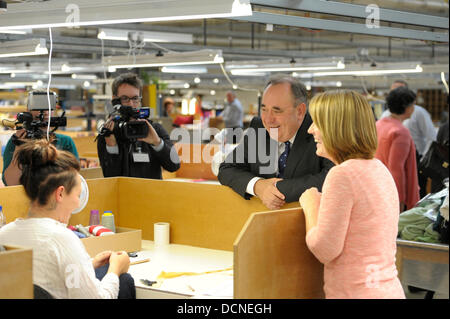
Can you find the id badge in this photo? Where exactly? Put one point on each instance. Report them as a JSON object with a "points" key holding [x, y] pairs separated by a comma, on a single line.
{"points": [[141, 158]]}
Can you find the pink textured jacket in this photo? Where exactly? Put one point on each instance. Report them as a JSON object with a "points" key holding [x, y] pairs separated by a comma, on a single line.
{"points": [[356, 231], [397, 151]]}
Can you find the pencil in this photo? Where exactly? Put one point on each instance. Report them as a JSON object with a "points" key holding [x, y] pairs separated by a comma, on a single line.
{"points": [[139, 261]]}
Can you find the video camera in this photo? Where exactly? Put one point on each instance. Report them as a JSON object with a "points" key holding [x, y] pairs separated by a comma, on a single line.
{"points": [[126, 121], [37, 101]]}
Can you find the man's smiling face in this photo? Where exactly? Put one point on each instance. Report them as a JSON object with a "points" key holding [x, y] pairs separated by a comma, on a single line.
{"points": [[279, 114]]}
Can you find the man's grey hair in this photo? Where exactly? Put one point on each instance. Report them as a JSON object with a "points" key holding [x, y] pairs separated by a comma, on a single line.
{"points": [[403, 82], [298, 89]]}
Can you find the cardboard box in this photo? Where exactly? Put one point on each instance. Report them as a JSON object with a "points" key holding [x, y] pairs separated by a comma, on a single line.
{"points": [[16, 273], [126, 239]]}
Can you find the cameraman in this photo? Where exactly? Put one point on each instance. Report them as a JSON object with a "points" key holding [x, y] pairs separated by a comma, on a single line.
{"points": [[143, 158], [11, 171]]}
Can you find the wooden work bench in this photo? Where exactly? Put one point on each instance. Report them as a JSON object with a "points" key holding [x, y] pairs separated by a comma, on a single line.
{"points": [[209, 217], [423, 265]]}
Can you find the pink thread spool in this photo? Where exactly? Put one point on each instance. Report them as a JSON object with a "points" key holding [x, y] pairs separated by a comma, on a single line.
{"points": [[94, 219]]}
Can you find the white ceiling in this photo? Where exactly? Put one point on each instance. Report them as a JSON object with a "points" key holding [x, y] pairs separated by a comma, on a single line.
{"points": [[242, 40]]}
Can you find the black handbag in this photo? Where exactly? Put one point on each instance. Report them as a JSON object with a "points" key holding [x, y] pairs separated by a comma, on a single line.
{"points": [[434, 164]]}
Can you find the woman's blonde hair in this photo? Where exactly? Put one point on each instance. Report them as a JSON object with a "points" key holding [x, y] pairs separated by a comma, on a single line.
{"points": [[347, 124]]}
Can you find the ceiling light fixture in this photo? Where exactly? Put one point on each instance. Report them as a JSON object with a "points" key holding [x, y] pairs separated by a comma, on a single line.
{"points": [[367, 70], [148, 36], [184, 69], [261, 67], [24, 31], [23, 48], [169, 59], [65, 13]]}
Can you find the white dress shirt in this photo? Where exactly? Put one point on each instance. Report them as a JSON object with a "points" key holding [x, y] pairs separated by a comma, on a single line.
{"points": [[61, 264], [281, 146]]}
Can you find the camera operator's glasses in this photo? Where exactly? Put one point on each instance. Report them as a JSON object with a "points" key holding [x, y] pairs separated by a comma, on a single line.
{"points": [[134, 99]]}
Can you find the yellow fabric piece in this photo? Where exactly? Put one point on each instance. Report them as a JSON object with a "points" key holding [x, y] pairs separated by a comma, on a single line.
{"points": [[168, 275]]}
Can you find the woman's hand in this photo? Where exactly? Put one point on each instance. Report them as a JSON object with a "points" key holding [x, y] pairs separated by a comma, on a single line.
{"points": [[119, 262], [310, 202], [101, 259]]}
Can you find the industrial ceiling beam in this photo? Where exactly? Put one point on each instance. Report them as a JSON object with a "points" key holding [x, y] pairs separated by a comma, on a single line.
{"points": [[276, 36], [339, 26], [357, 11]]}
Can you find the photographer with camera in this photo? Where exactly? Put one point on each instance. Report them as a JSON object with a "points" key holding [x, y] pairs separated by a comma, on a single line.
{"points": [[33, 125], [129, 144]]}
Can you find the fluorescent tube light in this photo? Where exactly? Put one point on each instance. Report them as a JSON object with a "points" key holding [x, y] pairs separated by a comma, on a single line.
{"points": [[66, 13], [184, 69], [24, 31], [263, 67], [168, 59], [23, 48], [84, 76], [147, 36], [367, 70]]}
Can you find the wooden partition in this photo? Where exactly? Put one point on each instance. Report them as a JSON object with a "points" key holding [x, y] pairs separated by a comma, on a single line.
{"points": [[103, 195], [196, 160], [86, 146], [16, 273], [271, 259], [92, 172], [84, 141], [202, 215]]}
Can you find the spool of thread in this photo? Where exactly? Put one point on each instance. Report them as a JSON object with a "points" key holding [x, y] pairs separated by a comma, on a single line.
{"points": [[94, 218], [161, 234], [83, 230], [99, 230], [80, 235], [108, 220]]}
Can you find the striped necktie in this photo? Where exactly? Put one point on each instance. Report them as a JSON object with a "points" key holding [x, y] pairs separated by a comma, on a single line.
{"points": [[283, 159]]}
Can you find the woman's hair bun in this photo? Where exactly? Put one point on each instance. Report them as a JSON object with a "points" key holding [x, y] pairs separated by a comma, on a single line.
{"points": [[36, 153]]}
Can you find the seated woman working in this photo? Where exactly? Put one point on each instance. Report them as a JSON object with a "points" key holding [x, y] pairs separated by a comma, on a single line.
{"points": [[61, 264]]}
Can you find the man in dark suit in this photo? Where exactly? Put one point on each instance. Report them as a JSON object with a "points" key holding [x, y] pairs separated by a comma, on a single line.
{"points": [[142, 158], [276, 160]]}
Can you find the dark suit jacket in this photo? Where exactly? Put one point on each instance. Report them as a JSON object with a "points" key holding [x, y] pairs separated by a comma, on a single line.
{"points": [[304, 169], [122, 164]]}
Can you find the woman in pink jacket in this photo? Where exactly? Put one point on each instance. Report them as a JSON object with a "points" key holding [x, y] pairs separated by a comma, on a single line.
{"points": [[351, 227], [396, 147]]}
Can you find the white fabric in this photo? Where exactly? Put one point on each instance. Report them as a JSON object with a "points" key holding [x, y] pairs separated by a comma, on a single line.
{"points": [[421, 128], [61, 264], [444, 208]]}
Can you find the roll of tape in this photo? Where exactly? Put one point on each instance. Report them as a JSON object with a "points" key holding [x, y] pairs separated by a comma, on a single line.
{"points": [[161, 234]]}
